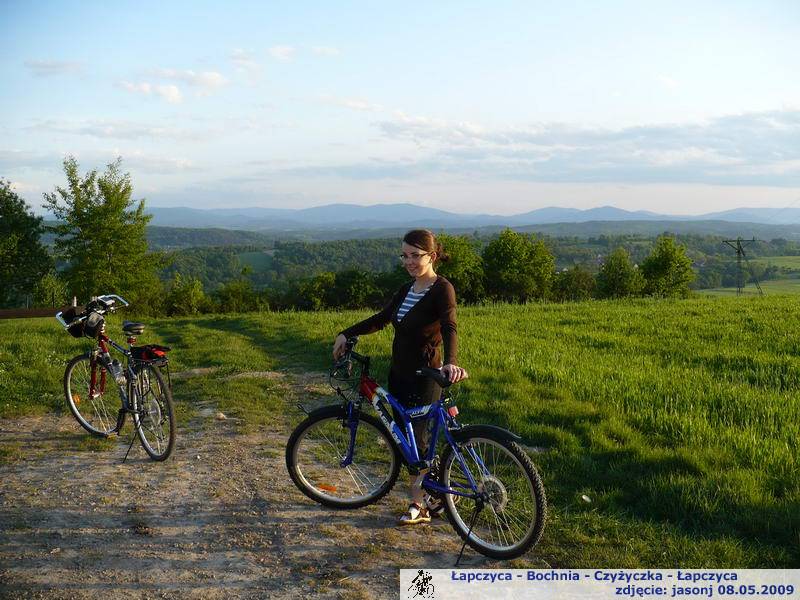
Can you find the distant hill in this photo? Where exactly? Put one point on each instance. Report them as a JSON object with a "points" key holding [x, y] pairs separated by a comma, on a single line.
{"points": [[182, 237], [382, 216], [177, 237]]}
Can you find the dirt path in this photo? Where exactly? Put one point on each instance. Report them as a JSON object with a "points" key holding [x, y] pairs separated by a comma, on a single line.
{"points": [[219, 519]]}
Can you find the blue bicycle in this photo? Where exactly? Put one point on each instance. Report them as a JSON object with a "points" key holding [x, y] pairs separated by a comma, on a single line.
{"points": [[344, 458]]}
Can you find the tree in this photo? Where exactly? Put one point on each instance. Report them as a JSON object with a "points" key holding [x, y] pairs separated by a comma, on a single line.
{"points": [[618, 277], [517, 268], [186, 297], [238, 296], [315, 293], [574, 284], [101, 236], [50, 291], [353, 288], [668, 271], [464, 268], [23, 258]]}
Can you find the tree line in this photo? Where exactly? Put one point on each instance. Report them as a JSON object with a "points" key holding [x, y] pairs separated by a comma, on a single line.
{"points": [[100, 246]]}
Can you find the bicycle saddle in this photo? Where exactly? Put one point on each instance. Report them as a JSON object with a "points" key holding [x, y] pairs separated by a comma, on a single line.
{"points": [[436, 375], [132, 328]]}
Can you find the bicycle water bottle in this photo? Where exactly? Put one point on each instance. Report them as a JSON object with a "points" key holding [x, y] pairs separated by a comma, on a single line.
{"points": [[116, 371]]}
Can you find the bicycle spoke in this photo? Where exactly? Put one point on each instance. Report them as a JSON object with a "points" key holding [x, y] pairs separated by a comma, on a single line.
{"points": [[318, 458], [352, 476], [510, 513]]}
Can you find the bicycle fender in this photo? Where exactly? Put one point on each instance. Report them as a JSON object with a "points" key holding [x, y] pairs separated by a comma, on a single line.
{"points": [[332, 410], [469, 431]]}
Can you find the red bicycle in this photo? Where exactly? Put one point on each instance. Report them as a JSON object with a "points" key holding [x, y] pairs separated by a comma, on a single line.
{"points": [[91, 380]]}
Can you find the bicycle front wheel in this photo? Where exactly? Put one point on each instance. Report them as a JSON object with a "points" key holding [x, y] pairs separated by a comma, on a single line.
{"points": [[512, 518], [153, 414], [92, 395], [318, 445]]}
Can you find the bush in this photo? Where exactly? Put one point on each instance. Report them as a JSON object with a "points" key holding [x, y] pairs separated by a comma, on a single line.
{"points": [[618, 277], [186, 297], [517, 268]]}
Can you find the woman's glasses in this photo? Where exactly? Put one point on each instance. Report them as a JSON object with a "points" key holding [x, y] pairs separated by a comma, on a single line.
{"points": [[415, 257]]}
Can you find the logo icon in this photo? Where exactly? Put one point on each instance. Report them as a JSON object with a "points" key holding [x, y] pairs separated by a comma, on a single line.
{"points": [[421, 585]]}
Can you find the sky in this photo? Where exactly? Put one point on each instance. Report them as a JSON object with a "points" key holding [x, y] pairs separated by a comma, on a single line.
{"points": [[477, 107]]}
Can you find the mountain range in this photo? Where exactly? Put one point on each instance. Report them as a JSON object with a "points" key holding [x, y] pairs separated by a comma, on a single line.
{"points": [[352, 216]]}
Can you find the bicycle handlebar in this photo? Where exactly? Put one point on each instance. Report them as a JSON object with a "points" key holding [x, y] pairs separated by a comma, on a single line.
{"points": [[101, 304], [349, 354]]}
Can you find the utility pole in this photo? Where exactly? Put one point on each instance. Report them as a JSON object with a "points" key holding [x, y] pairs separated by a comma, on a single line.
{"points": [[738, 244]]}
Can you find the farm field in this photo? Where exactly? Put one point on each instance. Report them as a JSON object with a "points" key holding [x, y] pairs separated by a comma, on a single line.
{"points": [[666, 431], [770, 287], [788, 262], [258, 261]]}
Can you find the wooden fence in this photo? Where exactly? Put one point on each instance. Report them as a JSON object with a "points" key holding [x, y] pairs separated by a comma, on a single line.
{"points": [[29, 313]]}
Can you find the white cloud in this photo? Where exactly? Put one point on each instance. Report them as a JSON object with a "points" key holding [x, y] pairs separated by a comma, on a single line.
{"points": [[119, 129], [170, 92], [48, 68], [282, 52], [244, 60], [751, 149], [152, 164], [205, 81], [325, 51]]}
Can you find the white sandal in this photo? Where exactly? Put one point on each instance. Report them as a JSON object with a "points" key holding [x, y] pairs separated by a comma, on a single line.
{"points": [[416, 514]]}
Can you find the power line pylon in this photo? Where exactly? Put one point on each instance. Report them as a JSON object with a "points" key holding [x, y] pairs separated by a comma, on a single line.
{"points": [[738, 244]]}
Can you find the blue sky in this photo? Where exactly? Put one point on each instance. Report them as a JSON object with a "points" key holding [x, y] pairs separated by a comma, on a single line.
{"points": [[502, 107]]}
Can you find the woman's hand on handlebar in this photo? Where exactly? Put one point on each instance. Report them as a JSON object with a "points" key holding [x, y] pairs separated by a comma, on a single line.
{"points": [[454, 373], [339, 346]]}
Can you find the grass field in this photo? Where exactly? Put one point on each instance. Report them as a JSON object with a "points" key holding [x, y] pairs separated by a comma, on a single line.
{"points": [[677, 419], [788, 262], [258, 261], [770, 287]]}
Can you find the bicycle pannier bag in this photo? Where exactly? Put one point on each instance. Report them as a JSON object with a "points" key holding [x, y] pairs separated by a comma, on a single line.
{"points": [[152, 353], [93, 325], [74, 327]]}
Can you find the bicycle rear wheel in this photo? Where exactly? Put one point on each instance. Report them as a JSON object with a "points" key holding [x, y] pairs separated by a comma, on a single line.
{"points": [[512, 518], [153, 414], [317, 446], [94, 405]]}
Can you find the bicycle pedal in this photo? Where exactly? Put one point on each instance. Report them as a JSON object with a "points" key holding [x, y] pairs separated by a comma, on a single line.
{"points": [[435, 505]]}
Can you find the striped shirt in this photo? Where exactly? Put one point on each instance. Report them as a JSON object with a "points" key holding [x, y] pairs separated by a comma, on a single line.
{"points": [[411, 299]]}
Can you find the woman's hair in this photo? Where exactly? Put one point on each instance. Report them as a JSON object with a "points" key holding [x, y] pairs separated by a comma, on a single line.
{"points": [[426, 241]]}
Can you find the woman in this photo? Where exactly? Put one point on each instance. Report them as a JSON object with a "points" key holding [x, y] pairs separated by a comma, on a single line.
{"points": [[423, 314]]}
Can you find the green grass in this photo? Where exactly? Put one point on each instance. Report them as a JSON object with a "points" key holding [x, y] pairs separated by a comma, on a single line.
{"points": [[678, 419], [258, 261], [787, 262], [771, 287]]}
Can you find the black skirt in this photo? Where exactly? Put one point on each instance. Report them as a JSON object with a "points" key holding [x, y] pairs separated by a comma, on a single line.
{"points": [[415, 392]]}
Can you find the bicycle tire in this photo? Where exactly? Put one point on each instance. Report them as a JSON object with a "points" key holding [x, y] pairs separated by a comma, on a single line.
{"points": [[91, 411], [316, 447], [152, 410], [500, 531]]}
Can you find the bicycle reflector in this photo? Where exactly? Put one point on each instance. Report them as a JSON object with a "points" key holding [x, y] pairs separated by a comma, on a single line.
{"points": [[452, 411], [327, 488]]}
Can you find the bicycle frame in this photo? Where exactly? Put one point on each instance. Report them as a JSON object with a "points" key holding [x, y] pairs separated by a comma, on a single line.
{"points": [[404, 437], [102, 345]]}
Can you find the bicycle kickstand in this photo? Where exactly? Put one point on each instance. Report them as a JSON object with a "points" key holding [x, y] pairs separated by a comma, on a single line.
{"points": [[469, 533], [133, 439]]}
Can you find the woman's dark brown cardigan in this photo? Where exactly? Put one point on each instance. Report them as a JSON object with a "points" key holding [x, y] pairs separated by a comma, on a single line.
{"points": [[419, 335]]}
